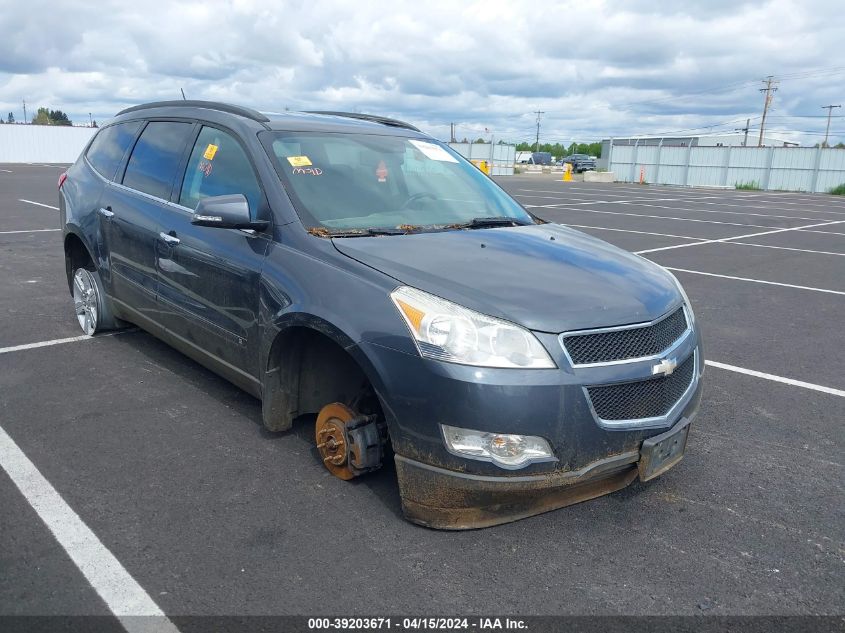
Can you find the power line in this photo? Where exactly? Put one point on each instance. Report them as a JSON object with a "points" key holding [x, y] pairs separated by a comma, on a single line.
{"points": [[803, 74], [770, 89], [805, 116], [827, 129], [815, 72]]}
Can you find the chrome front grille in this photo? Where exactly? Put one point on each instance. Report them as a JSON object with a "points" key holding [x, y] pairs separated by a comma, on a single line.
{"points": [[625, 343], [642, 399]]}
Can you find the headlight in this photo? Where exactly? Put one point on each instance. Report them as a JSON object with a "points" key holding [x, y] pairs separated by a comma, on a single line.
{"points": [[684, 295], [446, 331], [504, 450]]}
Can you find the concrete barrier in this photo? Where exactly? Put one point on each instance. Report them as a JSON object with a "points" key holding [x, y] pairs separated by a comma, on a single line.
{"points": [[598, 176]]}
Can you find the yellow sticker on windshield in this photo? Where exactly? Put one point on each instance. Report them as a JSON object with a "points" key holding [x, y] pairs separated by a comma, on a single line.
{"points": [[210, 151], [299, 161]]}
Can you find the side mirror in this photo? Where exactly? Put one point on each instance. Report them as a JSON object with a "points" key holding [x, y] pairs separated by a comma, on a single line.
{"points": [[226, 212]]}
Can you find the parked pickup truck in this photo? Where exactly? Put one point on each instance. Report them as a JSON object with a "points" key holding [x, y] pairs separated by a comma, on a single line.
{"points": [[581, 162]]}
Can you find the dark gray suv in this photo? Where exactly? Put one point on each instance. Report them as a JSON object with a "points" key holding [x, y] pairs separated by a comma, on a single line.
{"points": [[352, 267]]}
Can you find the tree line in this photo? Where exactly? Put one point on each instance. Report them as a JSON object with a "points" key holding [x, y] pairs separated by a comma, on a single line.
{"points": [[45, 116], [557, 150]]}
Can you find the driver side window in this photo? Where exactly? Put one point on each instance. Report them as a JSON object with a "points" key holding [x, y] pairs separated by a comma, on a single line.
{"points": [[218, 166]]}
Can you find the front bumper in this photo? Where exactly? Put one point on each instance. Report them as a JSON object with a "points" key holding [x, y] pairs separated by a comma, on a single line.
{"points": [[444, 499], [448, 500], [443, 490]]}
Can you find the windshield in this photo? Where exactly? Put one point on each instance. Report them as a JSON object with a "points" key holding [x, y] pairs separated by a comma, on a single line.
{"points": [[348, 182]]}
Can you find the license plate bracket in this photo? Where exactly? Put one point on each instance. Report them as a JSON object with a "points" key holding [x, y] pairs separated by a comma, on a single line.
{"points": [[659, 453]]}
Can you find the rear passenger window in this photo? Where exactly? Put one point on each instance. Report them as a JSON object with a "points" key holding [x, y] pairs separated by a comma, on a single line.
{"points": [[109, 146], [218, 166], [154, 160]]}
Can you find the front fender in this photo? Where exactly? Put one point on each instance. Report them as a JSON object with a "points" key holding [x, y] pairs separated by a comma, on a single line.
{"points": [[322, 290]]}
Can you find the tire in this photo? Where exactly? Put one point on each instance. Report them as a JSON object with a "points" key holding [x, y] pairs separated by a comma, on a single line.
{"points": [[91, 306]]}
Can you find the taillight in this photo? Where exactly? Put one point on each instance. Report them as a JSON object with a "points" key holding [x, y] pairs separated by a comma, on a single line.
{"points": [[62, 179]]}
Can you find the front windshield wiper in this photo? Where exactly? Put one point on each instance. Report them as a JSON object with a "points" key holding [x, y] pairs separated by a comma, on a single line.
{"points": [[485, 223], [321, 231]]}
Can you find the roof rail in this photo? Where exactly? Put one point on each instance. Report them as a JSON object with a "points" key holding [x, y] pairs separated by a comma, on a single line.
{"points": [[248, 113], [367, 117]]}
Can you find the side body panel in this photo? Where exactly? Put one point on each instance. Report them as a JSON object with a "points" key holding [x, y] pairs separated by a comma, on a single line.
{"points": [[209, 287], [131, 233]]}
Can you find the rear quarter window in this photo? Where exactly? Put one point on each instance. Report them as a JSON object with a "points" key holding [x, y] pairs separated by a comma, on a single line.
{"points": [[109, 146], [154, 161]]}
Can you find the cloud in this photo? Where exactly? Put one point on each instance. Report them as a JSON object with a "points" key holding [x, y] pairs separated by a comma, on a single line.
{"points": [[595, 68]]}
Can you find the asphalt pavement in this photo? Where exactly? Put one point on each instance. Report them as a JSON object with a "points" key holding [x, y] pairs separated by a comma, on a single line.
{"points": [[171, 469]]}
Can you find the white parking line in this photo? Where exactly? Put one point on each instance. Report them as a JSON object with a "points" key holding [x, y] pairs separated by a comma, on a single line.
{"points": [[700, 210], [28, 231], [787, 381], [40, 204], [702, 239], [822, 232], [604, 228], [769, 207], [756, 281], [8, 171], [787, 248], [122, 594], [566, 207], [58, 341], [61, 341], [736, 237]]}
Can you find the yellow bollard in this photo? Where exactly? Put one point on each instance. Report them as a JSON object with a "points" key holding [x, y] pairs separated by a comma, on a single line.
{"points": [[567, 172], [482, 165]]}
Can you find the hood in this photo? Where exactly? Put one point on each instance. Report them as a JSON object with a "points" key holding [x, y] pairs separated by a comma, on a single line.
{"points": [[545, 277]]}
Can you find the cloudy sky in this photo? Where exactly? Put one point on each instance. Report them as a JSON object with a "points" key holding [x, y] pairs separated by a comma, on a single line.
{"points": [[596, 68]]}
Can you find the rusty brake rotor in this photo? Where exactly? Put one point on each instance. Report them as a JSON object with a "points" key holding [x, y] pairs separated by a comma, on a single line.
{"points": [[333, 440]]}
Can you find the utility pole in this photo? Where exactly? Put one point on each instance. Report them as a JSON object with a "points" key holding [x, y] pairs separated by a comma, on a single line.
{"points": [[452, 133], [770, 89], [24, 112], [537, 142], [829, 109], [745, 129]]}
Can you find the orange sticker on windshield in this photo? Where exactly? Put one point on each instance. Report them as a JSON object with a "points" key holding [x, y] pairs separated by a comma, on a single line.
{"points": [[299, 161], [210, 151], [381, 171]]}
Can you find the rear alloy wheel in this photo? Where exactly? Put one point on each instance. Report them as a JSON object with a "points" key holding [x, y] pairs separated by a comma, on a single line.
{"points": [[87, 301]]}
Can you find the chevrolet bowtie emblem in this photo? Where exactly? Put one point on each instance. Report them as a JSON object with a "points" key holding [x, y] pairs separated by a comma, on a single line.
{"points": [[665, 367]]}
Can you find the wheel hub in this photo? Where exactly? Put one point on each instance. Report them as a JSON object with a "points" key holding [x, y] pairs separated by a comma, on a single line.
{"points": [[349, 443], [332, 440]]}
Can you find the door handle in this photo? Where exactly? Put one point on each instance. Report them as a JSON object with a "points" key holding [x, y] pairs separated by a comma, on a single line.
{"points": [[106, 212], [171, 240]]}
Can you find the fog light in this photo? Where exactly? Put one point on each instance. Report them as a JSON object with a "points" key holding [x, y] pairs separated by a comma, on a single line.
{"points": [[504, 450]]}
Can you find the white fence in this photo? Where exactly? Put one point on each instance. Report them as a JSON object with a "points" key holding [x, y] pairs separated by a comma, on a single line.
{"points": [[813, 169], [500, 156], [42, 143]]}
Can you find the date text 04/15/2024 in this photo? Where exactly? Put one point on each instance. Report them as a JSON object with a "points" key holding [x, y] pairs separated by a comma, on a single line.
{"points": [[416, 624]]}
